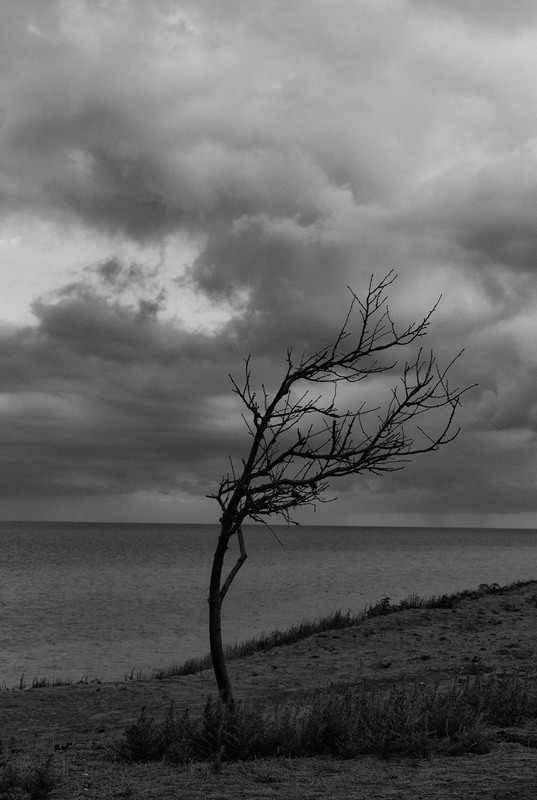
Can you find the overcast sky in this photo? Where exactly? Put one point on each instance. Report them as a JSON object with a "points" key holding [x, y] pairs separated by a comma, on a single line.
{"points": [[184, 183]]}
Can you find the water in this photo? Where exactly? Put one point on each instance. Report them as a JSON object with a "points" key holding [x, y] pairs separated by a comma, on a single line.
{"points": [[102, 600]]}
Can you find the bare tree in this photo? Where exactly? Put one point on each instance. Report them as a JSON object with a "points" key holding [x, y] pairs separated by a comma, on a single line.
{"points": [[301, 439]]}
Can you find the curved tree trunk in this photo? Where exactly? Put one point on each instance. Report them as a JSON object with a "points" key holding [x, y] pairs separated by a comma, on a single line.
{"points": [[217, 592], [215, 623]]}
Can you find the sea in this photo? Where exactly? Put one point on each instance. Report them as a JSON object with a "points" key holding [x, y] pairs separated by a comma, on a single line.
{"points": [[114, 601]]}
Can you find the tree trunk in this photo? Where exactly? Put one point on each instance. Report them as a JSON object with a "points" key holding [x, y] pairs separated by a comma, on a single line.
{"points": [[215, 621]]}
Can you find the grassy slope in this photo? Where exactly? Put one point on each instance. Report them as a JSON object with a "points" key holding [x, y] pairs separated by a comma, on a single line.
{"points": [[487, 632]]}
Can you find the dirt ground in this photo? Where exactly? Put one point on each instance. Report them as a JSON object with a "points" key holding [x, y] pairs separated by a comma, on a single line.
{"points": [[494, 633]]}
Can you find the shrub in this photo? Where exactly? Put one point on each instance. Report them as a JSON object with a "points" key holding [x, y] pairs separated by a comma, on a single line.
{"points": [[25, 776], [408, 719], [380, 609], [147, 740]]}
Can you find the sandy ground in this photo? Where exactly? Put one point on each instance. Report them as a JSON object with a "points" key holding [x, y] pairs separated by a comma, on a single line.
{"points": [[495, 633]]}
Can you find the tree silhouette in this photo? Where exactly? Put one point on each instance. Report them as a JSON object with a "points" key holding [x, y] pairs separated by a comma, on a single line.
{"points": [[302, 439]]}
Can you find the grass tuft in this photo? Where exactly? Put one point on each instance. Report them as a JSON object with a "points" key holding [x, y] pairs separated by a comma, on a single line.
{"points": [[24, 775], [44, 683]]}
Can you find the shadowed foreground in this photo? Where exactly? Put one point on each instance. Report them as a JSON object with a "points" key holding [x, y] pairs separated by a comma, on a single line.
{"points": [[494, 633]]}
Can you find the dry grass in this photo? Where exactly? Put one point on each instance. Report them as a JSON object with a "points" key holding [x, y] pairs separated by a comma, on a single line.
{"points": [[506, 773], [267, 641], [414, 720]]}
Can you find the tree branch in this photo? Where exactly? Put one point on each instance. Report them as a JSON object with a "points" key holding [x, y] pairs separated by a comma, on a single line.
{"points": [[238, 564], [301, 442]]}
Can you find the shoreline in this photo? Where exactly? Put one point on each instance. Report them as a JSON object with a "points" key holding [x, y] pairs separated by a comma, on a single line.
{"points": [[341, 654], [266, 641]]}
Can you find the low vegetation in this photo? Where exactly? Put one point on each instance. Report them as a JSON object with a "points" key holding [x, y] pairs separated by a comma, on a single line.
{"points": [[46, 683], [24, 775], [406, 720], [414, 719]]}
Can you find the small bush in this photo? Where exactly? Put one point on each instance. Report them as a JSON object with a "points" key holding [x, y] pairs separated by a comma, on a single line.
{"points": [[146, 740], [25, 776], [380, 609]]}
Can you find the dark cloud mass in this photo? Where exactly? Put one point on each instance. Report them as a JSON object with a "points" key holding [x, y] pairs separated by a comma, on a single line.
{"points": [[99, 399], [296, 148]]}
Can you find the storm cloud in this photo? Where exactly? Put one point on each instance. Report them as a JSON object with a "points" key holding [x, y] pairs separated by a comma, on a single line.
{"points": [[262, 156]]}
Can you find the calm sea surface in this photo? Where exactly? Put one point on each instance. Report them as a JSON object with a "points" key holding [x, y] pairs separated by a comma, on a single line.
{"points": [[100, 600]]}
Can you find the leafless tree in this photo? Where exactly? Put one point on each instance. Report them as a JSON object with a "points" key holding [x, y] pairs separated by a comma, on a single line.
{"points": [[301, 439]]}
